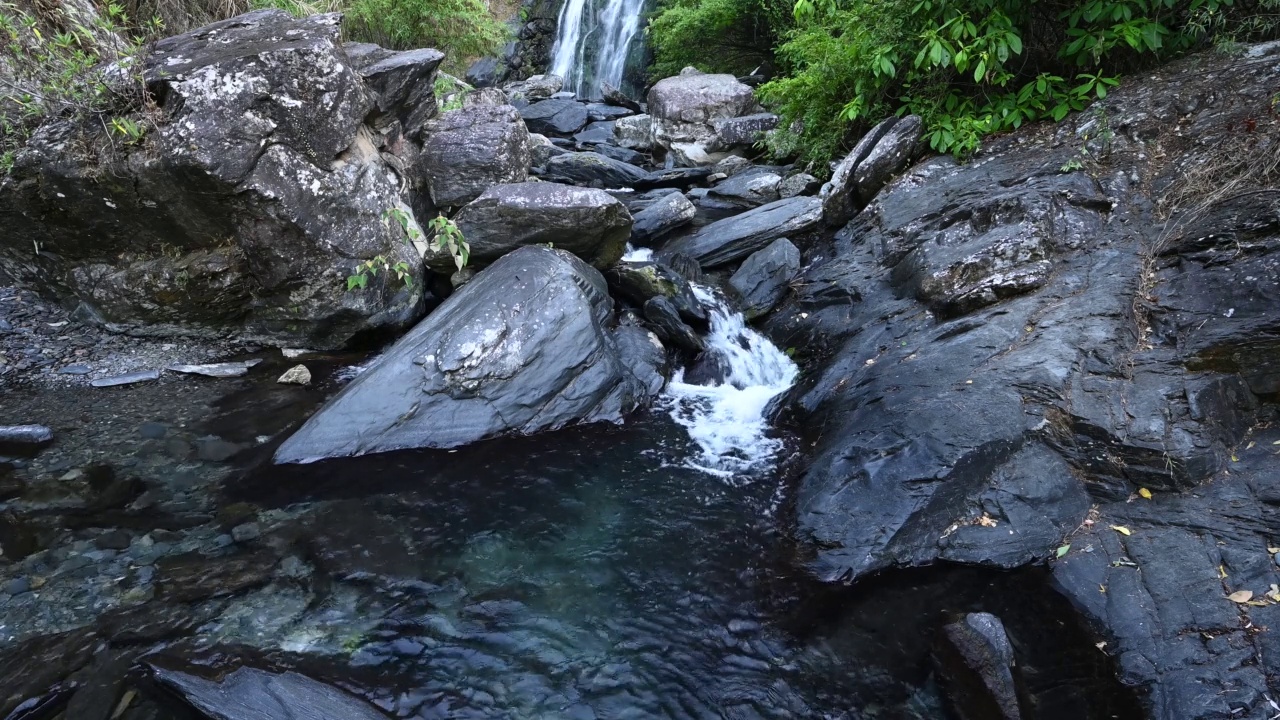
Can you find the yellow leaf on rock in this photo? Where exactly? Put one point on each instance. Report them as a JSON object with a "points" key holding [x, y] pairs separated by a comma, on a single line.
{"points": [[1241, 596], [1273, 551], [1222, 572], [1121, 529], [1144, 493]]}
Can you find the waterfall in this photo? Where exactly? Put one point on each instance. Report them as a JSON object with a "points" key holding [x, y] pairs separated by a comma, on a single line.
{"points": [[727, 421], [593, 42]]}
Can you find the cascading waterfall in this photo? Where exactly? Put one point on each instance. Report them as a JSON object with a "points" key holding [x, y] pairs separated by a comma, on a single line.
{"points": [[593, 42], [727, 421]]}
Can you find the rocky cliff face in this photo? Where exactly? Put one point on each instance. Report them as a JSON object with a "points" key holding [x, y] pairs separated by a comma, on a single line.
{"points": [[1035, 357], [244, 210]]}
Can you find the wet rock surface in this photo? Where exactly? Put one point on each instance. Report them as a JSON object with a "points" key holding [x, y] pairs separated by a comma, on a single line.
{"points": [[734, 238], [1011, 365], [586, 222], [522, 348], [762, 280]]}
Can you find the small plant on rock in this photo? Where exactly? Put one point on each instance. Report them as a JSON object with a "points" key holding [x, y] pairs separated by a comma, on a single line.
{"points": [[445, 237]]}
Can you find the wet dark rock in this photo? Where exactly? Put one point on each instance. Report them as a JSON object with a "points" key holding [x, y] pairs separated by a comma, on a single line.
{"points": [[731, 239], [486, 72], [403, 87], [555, 117], [749, 189], [215, 449], [637, 282], [709, 368], [584, 221], [468, 150], [621, 154], [24, 440], [1004, 355], [17, 586], [660, 217], [246, 532], [644, 357], [495, 358], [601, 111], [541, 149], [153, 621], [890, 156], [840, 200], [100, 685], [595, 170], [615, 97], [680, 177], [798, 184], [235, 214], [975, 662], [196, 577], [597, 133], [19, 537], [251, 694], [665, 320], [30, 668], [687, 267], [762, 280]]}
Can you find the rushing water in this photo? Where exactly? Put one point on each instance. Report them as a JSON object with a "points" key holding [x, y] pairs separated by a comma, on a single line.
{"points": [[594, 40]]}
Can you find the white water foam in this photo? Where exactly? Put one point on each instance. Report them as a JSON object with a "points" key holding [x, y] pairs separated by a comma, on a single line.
{"points": [[727, 421], [637, 255]]}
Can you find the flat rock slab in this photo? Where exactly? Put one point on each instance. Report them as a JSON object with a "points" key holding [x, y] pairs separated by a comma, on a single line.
{"points": [[731, 239], [24, 440], [127, 378], [217, 370], [252, 694]]}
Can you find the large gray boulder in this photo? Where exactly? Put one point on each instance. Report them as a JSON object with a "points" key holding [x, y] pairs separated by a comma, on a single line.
{"points": [[634, 133], [524, 347], [762, 279], [586, 222], [685, 107], [740, 132], [746, 190], [470, 149], [555, 117], [243, 212], [589, 168], [725, 241]]}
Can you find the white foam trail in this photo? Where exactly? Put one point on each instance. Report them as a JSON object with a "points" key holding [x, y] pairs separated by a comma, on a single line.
{"points": [[637, 255], [727, 421]]}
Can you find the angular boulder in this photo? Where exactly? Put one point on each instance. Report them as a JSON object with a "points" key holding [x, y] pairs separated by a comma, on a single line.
{"points": [[762, 280], [587, 222], [742, 132], [244, 211], [660, 217], [748, 189], [524, 347], [468, 150], [555, 117], [637, 282], [684, 107], [594, 169], [731, 239], [535, 88], [975, 664], [621, 154], [664, 318], [840, 201], [248, 693], [634, 133]]}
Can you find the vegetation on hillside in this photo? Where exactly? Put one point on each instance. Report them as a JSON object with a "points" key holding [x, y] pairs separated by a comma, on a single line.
{"points": [[968, 67]]}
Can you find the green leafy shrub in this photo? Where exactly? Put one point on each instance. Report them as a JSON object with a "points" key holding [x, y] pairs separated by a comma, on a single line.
{"points": [[975, 67], [732, 36]]}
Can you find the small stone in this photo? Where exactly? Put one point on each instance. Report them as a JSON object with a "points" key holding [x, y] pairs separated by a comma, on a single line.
{"points": [[223, 541], [215, 449], [76, 370], [294, 567], [462, 277], [296, 375], [743, 627], [72, 475], [17, 586], [127, 379], [291, 353], [246, 532], [217, 370]]}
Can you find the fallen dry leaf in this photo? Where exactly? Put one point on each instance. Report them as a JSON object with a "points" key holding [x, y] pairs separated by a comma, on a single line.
{"points": [[1144, 493], [987, 521], [1121, 529], [1241, 596]]}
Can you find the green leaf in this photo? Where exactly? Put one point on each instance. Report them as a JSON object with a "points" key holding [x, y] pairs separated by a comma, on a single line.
{"points": [[1063, 550]]}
